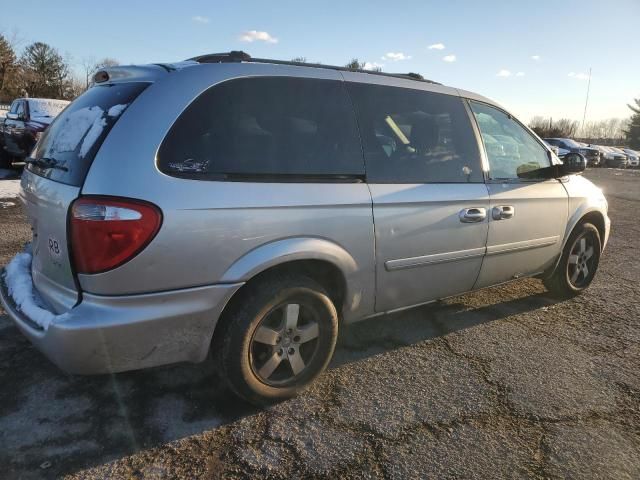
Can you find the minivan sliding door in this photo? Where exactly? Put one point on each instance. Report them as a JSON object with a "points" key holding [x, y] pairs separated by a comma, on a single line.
{"points": [[430, 202]]}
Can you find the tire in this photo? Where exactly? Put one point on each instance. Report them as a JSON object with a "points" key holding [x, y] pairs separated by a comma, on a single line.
{"points": [[5, 158], [277, 338], [570, 277]]}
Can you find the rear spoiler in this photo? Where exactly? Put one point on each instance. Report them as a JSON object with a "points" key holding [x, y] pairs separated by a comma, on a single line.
{"points": [[130, 73]]}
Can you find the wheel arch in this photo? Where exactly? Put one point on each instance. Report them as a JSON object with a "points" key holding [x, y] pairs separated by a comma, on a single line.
{"points": [[322, 260], [591, 215], [586, 214]]}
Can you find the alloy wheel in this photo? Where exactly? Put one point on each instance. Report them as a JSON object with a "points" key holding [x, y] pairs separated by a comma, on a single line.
{"points": [[284, 344], [580, 264]]}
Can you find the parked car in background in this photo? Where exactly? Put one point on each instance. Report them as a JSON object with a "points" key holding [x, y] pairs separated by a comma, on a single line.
{"points": [[560, 152], [252, 208], [591, 154], [633, 157], [23, 125], [611, 158]]}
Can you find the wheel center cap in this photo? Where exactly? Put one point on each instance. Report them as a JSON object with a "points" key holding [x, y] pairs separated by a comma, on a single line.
{"points": [[286, 341]]}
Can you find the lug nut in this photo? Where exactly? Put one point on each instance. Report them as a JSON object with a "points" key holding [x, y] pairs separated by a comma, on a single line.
{"points": [[280, 351], [296, 338], [291, 350]]}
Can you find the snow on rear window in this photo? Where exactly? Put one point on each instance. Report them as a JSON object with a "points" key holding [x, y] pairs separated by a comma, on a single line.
{"points": [[116, 110], [75, 136], [84, 125], [45, 108]]}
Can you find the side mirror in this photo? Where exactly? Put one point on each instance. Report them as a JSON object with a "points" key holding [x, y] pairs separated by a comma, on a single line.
{"points": [[12, 116], [573, 163]]}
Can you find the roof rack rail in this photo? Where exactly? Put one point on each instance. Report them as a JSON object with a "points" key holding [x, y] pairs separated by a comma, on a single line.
{"points": [[228, 57], [240, 56]]}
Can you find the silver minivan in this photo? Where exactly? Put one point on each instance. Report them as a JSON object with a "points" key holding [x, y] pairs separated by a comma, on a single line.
{"points": [[251, 207]]}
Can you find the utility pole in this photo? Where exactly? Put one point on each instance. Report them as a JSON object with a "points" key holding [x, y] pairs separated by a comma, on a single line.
{"points": [[586, 101]]}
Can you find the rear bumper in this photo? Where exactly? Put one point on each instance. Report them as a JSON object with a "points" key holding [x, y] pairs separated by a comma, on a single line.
{"points": [[114, 334]]}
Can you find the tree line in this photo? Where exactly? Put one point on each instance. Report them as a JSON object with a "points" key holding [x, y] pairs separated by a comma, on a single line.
{"points": [[609, 131], [42, 71]]}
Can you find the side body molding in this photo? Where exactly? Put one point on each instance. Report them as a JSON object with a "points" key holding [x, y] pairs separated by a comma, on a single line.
{"points": [[359, 296]]}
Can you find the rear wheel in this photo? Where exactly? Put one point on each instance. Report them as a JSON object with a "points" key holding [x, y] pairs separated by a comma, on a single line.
{"points": [[578, 264], [5, 158], [279, 339]]}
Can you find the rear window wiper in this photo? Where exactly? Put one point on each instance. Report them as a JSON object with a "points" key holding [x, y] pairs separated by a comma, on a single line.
{"points": [[46, 162]]}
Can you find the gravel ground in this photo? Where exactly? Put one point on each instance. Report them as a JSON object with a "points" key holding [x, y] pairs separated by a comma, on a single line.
{"points": [[500, 383]]}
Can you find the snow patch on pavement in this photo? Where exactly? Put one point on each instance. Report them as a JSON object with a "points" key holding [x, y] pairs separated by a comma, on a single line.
{"points": [[17, 277], [9, 188]]}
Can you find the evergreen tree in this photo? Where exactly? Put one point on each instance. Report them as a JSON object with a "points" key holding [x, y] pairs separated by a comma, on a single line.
{"points": [[7, 63], [633, 130]]}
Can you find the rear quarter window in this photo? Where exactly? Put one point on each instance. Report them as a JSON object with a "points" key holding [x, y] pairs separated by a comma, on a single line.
{"points": [[74, 137], [265, 129]]}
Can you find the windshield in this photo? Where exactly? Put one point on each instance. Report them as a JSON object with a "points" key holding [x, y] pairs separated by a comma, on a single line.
{"points": [[45, 107], [571, 143], [75, 136]]}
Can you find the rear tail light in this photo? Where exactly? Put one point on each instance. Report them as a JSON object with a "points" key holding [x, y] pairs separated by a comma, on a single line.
{"points": [[107, 232]]}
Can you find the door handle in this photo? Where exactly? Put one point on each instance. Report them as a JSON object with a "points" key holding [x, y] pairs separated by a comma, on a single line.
{"points": [[472, 215], [503, 212]]}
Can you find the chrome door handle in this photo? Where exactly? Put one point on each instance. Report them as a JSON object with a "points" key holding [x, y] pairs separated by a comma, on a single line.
{"points": [[503, 212], [472, 215]]}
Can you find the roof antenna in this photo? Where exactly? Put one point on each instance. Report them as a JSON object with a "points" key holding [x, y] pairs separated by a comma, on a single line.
{"points": [[586, 101]]}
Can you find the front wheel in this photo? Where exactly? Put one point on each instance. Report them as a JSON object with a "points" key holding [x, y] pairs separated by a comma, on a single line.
{"points": [[279, 339], [578, 264]]}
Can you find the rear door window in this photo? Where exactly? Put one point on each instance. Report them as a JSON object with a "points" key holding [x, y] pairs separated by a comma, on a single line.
{"points": [[414, 136], [266, 129], [74, 137]]}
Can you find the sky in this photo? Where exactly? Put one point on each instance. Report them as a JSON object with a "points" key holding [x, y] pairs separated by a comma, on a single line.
{"points": [[533, 58]]}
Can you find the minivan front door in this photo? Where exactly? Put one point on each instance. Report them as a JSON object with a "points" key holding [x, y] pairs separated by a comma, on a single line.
{"points": [[527, 218], [430, 202]]}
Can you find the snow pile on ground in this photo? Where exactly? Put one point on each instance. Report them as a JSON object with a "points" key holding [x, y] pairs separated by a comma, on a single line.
{"points": [[9, 188], [17, 277]]}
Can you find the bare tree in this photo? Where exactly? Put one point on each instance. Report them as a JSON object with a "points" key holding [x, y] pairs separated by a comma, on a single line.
{"points": [[90, 65], [547, 127]]}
